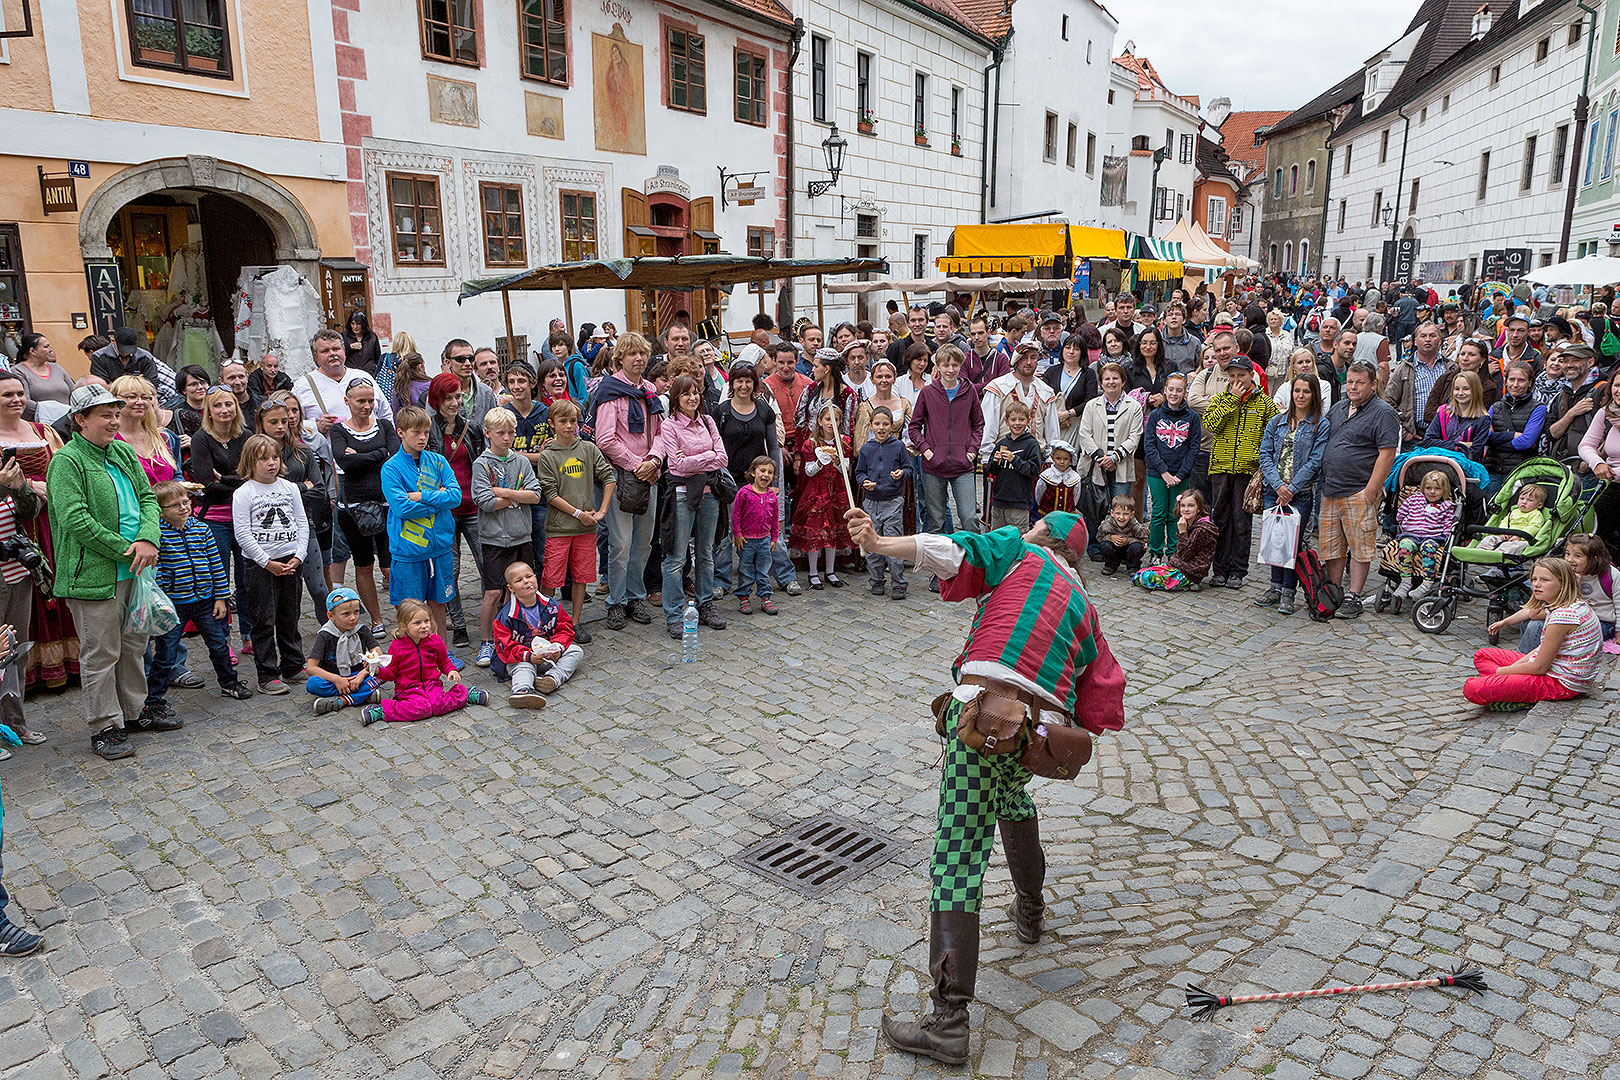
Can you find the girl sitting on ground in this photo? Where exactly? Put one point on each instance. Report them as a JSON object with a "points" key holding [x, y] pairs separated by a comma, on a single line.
{"points": [[1196, 535], [425, 683], [1564, 665]]}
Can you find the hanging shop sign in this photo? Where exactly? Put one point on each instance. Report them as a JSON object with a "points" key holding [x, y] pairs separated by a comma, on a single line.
{"points": [[58, 192], [106, 281]]}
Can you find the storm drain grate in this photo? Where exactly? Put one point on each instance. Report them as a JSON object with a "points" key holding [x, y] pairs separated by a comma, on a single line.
{"points": [[820, 855]]}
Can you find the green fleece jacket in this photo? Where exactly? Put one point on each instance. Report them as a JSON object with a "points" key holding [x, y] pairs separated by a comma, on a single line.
{"points": [[84, 516]]}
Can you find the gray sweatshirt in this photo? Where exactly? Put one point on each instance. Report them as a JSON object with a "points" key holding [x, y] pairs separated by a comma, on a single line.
{"points": [[513, 525]]}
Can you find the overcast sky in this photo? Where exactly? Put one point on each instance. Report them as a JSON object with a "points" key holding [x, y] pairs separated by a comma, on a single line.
{"points": [[1266, 54]]}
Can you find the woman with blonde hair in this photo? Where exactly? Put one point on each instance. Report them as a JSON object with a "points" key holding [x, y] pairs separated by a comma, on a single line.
{"points": [[402, 346], [139, 426], [216, 452], [1462, 423], [1301, 361]]}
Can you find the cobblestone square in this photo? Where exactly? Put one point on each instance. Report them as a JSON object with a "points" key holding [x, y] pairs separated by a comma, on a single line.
{"points": [[509, 894]]}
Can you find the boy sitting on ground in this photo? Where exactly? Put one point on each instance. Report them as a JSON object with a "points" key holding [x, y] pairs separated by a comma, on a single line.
{"points": [[336, 667], [534, 638]]}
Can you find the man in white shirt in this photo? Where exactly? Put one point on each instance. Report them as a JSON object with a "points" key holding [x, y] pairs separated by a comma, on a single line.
{"points": [[1022, 384], [320, 391]]}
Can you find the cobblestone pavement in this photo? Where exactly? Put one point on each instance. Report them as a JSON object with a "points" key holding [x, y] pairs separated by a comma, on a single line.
{"points": [[270, 894]]}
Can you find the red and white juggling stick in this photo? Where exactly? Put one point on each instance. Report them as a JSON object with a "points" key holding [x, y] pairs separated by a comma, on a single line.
{"points": [[1203, 1003]]}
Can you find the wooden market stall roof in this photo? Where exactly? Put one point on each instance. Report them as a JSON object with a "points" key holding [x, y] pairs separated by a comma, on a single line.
{"points": [[659, 272]]}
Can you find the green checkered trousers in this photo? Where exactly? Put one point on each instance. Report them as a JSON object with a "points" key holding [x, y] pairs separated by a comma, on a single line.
{"points": [[974, 793]]}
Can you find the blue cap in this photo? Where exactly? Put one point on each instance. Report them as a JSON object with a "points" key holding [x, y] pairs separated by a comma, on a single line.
{"points": [[340, 595]]}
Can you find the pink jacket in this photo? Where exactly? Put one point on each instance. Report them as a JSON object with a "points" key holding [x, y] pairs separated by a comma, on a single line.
{"points": [[1602, 441], [620, 445], [689, 447]]}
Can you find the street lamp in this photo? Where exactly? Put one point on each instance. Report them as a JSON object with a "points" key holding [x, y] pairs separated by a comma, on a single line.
{"points": [[833, 147]]}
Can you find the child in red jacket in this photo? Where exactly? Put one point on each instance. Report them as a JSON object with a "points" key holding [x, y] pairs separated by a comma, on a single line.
{"points": [[416, 662], [534, 636]]}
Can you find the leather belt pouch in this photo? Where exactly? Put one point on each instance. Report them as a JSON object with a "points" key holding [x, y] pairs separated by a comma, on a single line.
{"points": [[1056, 751]]}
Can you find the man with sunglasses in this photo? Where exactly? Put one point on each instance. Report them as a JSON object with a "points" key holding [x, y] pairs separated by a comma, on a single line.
{"points": [[321, 391], [476, 398]]}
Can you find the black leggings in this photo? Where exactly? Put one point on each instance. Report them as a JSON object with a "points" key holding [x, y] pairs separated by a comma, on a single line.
{"points": [[364, 550]]}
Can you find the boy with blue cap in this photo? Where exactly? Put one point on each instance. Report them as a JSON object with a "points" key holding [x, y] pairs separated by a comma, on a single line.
{"points": [[336, 667]]}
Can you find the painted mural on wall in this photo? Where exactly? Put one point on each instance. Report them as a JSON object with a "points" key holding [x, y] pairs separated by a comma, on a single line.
{"points": [[618, 91]]}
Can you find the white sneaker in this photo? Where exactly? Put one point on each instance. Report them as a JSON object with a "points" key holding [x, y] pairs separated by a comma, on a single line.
{"points": [[1423, 589], [1404, 591]]}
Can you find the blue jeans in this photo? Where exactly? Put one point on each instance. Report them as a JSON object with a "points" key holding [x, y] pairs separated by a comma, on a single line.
{"points": [[688, 524], [754, 567], [229, 554], [325, 688], [166, 662], [963, 494], [1530, 635], [1282, 579], [630, 537]]}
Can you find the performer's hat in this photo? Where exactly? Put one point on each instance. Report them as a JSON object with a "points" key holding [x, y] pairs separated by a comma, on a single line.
{"points": [[1069, 528]]}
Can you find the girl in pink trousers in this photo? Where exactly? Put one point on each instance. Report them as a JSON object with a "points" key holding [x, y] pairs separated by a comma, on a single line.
{"points": [[416, 663]]}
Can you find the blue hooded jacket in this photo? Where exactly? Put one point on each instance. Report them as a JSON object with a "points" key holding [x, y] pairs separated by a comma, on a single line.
{"points": [[420, 530]]}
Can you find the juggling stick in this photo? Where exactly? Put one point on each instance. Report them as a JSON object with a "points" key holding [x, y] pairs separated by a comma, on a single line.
{"points": [[1203, 1003]]}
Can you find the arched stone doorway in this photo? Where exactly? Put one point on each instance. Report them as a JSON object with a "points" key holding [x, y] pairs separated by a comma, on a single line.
{"points": [[244, 218]]}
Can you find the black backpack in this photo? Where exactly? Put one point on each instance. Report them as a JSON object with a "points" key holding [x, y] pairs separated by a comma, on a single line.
{"points": [[1322, 597]]}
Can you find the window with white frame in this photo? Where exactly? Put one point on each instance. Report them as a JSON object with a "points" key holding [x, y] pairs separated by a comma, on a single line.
{"points": [[1216, 216]]}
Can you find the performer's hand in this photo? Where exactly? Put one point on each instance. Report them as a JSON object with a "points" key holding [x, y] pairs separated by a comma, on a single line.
{"points": [[861, 529]]}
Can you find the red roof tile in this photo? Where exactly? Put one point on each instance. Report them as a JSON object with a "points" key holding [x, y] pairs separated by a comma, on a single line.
{"points": [[1238, 136]]}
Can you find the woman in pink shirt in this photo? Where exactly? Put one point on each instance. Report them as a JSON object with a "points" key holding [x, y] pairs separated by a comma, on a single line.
{"points": [[693, 455]]}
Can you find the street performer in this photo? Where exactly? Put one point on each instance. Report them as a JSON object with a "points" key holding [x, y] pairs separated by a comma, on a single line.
{"points": [[1034, 677]]}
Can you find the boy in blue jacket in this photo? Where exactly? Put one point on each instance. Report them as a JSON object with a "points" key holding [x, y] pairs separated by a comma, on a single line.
{"points": [[421, 490]]}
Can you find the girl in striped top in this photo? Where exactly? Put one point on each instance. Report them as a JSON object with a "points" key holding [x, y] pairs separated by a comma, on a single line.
{"points": [[1564, 665], [1425, 520]]}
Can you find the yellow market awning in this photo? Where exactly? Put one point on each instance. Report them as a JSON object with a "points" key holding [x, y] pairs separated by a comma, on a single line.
{"points": [[1090, 243], [1002, 241], [998, 264], [1154, 270]]}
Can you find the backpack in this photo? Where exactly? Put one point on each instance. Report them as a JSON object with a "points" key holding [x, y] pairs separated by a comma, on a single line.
{"points": [[1322, 597]]}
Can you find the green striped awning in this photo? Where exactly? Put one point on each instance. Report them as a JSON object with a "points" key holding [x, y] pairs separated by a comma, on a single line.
{"points": [[1151, 247]]}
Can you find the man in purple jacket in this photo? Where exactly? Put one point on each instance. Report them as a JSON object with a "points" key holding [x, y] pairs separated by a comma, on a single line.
{"points": [[947, 425]]}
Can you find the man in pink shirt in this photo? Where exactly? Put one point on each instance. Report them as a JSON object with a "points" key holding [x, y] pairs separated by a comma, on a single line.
{"points": [[629, 417]]}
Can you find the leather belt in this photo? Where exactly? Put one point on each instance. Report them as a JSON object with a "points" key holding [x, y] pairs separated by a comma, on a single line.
{"points": [[1034, 702]]}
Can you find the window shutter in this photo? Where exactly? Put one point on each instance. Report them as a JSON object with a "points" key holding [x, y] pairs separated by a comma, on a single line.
{"points": [[700, 218], [634, 206]]}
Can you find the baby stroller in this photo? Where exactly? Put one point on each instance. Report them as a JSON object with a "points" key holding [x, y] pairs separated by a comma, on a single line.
{"points": [[1503, 577], [1470, 500]]}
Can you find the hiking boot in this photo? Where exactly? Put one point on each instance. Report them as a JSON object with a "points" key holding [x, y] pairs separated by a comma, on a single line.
{"points": [[110, 744], [546, 684], [15, 941], [637, 610], [953, 960], [1350, 608], [158, 717], [709, 616], [676, 630], [1285, 604], [1267, 598], [323, 705], [615, 617], [1026, 864]]}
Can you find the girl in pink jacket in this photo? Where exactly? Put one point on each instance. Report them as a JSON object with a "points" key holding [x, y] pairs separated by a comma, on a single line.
{"points": [[417, 660]]}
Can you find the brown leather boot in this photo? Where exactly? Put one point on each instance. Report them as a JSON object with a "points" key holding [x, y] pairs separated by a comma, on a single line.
{"points": [[953, 960], [1026, 863]]}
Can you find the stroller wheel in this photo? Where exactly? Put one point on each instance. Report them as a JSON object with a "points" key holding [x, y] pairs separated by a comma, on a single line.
{"points": [[1383, 600], [1492, 614], [1433, 614], [1399, 604]]}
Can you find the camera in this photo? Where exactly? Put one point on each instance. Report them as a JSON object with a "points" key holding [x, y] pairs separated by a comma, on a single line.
{"points": [[23, 550]]}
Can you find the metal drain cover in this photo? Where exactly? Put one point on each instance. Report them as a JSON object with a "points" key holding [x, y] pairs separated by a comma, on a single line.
{"points": [[820, 855]]}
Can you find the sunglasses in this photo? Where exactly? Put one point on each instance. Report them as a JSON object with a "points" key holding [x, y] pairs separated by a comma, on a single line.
{"points": [[356, 383]]}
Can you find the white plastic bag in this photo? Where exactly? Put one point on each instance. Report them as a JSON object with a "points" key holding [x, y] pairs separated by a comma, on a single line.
{"points": [[151, 612], [1279, 537]]}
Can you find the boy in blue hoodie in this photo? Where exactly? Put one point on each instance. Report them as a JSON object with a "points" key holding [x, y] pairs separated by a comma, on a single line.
{"points": [[880, 469], [420, 489]]}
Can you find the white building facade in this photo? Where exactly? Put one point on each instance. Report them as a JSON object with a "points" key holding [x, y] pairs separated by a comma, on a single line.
{"points": [[905, 85], [512, 136], [1145, 116], [1050, 129], [1469, 153]]}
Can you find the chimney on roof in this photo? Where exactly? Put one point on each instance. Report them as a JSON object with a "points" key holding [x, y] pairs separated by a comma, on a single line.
{"points": [[1130, 48], [1217, 111], [1482, 22]]}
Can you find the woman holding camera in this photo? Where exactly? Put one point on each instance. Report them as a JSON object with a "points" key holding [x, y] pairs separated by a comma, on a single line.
{"points": [[55, 655]]}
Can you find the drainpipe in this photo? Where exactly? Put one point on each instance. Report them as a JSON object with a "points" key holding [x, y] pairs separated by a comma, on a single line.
{"points": [[992, 126], [784, 296], [1582, 105], [1400, 189], [1327, 201]]}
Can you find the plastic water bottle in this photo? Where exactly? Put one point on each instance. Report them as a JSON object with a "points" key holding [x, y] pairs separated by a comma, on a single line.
{"points": [[689, 627]]}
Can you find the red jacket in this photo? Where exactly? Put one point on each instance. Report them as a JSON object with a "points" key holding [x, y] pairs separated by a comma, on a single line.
{"points": [[513, 634], [416, 663]]}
